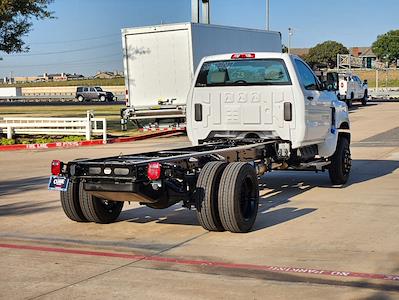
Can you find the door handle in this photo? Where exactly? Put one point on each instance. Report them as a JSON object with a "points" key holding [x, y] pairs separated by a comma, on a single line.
{"points": [[310, 97]]}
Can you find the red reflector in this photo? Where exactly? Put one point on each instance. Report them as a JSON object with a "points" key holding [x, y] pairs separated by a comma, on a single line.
{"points": [[154, 171], [56, 167], [243, 55]]}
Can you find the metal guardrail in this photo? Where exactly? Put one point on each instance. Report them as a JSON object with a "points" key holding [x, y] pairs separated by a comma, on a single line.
{"points": [[45, 98], [55, 126]]}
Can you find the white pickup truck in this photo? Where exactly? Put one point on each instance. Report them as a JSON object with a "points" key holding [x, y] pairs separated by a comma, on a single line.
{"points": [[349, 87], [248, 114]]}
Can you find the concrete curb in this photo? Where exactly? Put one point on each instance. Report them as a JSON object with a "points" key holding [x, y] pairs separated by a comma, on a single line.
{"points": [[84, 143], [162, 129]]}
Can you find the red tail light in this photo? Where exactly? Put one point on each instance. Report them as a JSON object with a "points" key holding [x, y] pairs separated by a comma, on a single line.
{"points": [[243, 55], [154, 171], [127, 97], [56, 167]]}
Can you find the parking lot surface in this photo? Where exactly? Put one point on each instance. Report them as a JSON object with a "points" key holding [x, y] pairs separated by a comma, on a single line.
{"points": [[310, 239]]}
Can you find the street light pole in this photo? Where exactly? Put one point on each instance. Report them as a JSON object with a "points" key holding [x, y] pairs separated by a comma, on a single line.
{"points": [[290, 33], [268, 14]]}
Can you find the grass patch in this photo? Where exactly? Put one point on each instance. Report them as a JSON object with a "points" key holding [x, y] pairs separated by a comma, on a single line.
{"points": [[40, 140], [83, 82], [4, 141]]}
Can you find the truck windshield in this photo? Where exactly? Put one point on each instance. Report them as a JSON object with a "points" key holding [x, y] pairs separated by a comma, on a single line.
{"points": [[243, 72]]}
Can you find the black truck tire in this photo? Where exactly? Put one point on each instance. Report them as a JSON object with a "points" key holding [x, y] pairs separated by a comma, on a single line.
{"points": [[70, 203], [365, 98], [238, 197], [99, 210], [349, 101], [341, 162], [206, 194]]}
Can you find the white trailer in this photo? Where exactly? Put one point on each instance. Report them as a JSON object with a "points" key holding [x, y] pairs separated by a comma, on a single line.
{"points": [[160, 61], [10, 92]]}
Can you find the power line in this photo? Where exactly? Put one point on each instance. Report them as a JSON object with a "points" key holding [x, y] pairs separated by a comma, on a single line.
{"points": [[76, 40], [64, 51], [64, 63], [71, 64]]}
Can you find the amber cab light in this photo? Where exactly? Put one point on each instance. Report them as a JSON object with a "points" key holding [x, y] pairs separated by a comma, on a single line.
{"points": [[154, 171], [56, 167]]}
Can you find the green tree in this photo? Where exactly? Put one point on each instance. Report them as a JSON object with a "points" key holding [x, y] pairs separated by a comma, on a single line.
{"points": [[15, 21], [325, 54], [386, 47]]}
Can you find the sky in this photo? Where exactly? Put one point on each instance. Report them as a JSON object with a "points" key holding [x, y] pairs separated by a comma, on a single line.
{"points": [[85, 35]]}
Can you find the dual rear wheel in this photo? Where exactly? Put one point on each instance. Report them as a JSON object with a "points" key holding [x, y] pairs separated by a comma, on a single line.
{"points": [[80, 206], [227, 196]]}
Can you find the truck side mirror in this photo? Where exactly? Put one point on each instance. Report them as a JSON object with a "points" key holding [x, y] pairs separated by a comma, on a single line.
{"points": [[365, 82], [325, 86]]}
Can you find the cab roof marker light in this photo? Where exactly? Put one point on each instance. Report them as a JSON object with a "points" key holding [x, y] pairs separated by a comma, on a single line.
{"points": [[243, 55]]}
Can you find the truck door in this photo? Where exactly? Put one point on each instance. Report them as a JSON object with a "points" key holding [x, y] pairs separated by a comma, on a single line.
{"points": [[359, 87], [317, 104], [351, 88], [92, 93], [86, 93]]}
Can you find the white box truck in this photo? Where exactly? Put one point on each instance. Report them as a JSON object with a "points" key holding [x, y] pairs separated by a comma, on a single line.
{"points": [[160, 61]]}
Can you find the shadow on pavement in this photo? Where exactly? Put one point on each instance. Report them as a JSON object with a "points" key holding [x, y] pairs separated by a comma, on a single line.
{"points": [[363, 170], [26, 208], [22, 185], [358, 105], [281, 187]]}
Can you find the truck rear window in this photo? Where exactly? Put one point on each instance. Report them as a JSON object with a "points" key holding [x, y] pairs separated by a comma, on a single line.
{"points": [[243, 72]]}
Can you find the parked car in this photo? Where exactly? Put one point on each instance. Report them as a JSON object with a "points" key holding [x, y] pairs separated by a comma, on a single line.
{"points": [[84, 93], [349, 87]]}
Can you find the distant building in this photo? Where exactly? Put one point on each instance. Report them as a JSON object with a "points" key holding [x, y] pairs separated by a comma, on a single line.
{"points": [[108, 75], [366, 53], [48, 77], [63, 77], [23, 79]]}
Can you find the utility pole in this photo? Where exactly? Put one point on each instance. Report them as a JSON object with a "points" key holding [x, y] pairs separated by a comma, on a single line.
{"points": [[206, 13], [290, 33], [195, 11], [267, 14]]}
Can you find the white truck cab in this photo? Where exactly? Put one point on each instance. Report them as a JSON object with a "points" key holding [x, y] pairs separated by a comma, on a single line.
{"points": [[264, 95]]}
